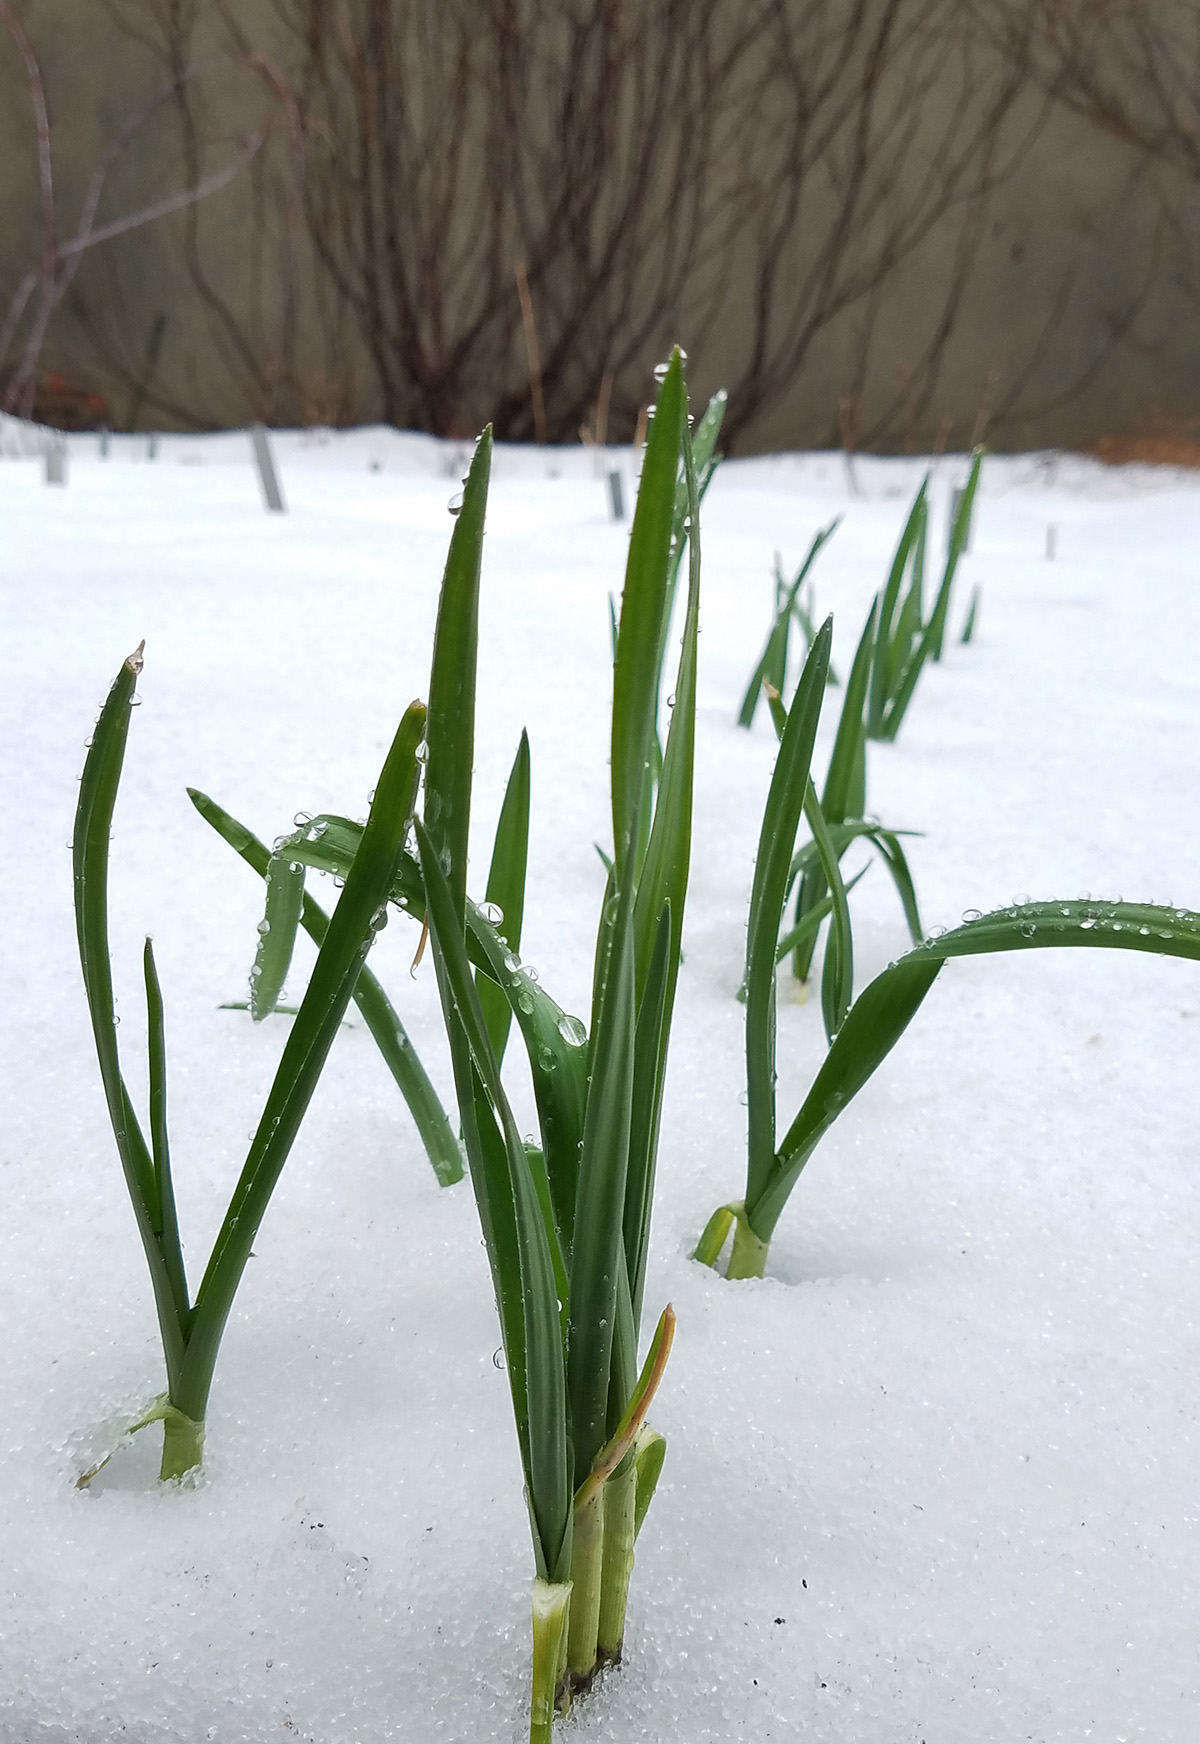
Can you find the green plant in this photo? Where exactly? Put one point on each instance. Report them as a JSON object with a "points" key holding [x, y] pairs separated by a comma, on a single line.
{"points": [[865, 1033], [328, 842], [771, 672], [567, 1222], [191, 1330], [843, 805], [904, 638], [705, 460]]}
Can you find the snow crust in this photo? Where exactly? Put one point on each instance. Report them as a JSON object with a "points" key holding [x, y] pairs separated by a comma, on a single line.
{"points": [[934, 1480]]}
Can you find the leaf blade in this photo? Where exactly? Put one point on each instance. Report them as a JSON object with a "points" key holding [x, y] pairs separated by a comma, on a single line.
{"points": [[339, 960]]}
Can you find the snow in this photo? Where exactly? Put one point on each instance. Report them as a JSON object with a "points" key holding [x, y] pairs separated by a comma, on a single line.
{"points": [[934, 1479]]}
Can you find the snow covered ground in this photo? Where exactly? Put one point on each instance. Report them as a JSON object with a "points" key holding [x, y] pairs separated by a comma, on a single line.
{"points": [[934, 1481]]}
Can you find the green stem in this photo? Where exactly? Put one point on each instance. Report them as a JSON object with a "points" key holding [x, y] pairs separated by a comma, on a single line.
{"points": [[620, 1495], [551, 1602], [749, 1256], [587, 1563], [183, 1444]]}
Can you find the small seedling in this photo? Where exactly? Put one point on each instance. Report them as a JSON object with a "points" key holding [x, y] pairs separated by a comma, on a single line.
{"points": [[865, 1033], [904, 638], [191, 1329], [771, 672]]}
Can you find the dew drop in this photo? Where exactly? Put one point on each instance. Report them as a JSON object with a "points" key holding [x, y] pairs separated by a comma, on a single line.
{"points": [[572, 1031], [492, 913]]}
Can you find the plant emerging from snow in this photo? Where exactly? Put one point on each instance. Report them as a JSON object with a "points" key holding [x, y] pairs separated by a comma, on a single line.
{"points": [[191, 1329], [864, 1032]]}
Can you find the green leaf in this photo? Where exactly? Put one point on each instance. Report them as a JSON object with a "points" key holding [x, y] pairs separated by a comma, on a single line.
{"points": [[599, 1213], [906, 686], [554, 1040], [887, 844], [715, 1234], [778, 710], [843, 778], [972, 618], [837, 986], [658, 917], [663, 877], [516, 1231], [556, 1046], [882, 678], [166, 1222], [803, 612], [640, 1399], [781, 819], [913, 611], [1033, 926], [93, 823], [959, 534], [506, 888], [704, 460], [451, 731], [378, 1013], [873, 1026], [650, 1056], [359, 913], [648, 1463], [640, 632], [811, 922], [848, 742], [880, 1015], [277, 933], [784, 610]]}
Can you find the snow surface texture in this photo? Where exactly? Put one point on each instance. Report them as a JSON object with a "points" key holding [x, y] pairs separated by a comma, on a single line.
{"points": [[935, 1478]]}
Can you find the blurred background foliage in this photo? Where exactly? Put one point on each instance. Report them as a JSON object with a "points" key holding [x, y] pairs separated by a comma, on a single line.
{"points": [[889, 224]]}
